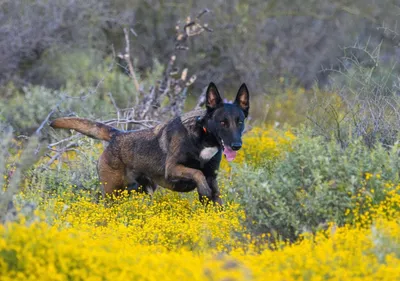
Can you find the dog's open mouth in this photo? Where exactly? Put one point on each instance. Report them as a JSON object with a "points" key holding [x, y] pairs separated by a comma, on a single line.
{"points": [[230, 154]]}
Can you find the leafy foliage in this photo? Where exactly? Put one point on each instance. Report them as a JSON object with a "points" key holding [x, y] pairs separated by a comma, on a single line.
{"points": [[89, 81], [315, 183]]}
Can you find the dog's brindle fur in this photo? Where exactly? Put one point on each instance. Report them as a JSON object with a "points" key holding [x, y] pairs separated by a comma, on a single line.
{"points": [[182, 154]]}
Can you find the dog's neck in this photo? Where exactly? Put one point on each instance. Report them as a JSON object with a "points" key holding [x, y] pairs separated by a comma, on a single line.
{"points": [[208, 138], [209, 145]]}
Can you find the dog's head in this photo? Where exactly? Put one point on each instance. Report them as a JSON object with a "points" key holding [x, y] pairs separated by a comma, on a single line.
{"points": [[226, 120]]}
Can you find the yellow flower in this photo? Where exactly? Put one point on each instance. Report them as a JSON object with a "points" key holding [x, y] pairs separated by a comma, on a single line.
{"points": [[368, 176], [261, 146]]}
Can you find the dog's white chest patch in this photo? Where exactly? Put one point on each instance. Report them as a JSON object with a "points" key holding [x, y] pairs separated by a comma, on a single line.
{"points": [[208, 152]]}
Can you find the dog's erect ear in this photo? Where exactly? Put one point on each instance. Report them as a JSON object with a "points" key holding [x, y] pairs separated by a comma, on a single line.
{"points": [[243, 99], [213, 99]]}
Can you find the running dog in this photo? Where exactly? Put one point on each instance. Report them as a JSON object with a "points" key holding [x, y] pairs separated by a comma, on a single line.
{"points": [[182, 154]]}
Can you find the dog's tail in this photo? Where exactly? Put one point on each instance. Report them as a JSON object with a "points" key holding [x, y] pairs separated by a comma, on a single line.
{"points": [[89, 128]]}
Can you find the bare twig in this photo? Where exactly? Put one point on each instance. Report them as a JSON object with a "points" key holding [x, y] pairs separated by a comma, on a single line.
{"points": [[77, 135], [115, 106], [202, 99], [127, 58], [58, 154], [144, 123]]}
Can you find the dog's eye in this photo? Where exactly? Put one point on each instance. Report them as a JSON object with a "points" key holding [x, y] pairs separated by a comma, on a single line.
{"points": [[240, 122], [224, 124]]}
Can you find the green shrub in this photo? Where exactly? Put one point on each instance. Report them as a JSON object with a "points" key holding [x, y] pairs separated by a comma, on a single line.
{"points": [[88, 81], [87, 70], [316, 183], [25, 111], [369, 100], [76, 170], [15, 158]]}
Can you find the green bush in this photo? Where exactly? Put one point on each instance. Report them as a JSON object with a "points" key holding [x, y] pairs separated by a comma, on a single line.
{"points": [[83, 71], [89, 80], [26, 110], [316, 183], [76, 170], [369, 100]]}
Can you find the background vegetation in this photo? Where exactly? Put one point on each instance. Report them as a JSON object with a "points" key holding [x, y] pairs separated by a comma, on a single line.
{"points": [[313, 195], [253, 41]]}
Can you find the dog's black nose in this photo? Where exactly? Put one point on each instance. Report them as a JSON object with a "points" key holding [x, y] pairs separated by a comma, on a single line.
{"points": [[236, 145]]}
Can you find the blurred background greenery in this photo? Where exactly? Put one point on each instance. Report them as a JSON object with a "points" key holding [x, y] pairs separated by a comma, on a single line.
{"points": [[53, 49], [254, 41]]}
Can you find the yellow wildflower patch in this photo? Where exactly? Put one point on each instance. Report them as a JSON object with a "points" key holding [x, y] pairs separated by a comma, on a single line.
{"points": [[168, 221], [260, 147], [178, 239]]}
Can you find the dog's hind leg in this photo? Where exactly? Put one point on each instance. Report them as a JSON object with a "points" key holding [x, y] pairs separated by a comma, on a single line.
{"points": [[111, 178], [147, 185], [139, 182]]}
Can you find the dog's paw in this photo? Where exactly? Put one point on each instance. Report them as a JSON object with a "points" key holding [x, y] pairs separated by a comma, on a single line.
{"points": [[205, 192], [218, 201]]}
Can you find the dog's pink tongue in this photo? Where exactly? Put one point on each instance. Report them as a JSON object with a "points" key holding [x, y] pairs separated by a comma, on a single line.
{"points": [[229, 153]]}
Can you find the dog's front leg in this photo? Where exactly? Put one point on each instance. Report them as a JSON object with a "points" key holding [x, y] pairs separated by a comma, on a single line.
{"points": [[215, 194], [181, 172]]}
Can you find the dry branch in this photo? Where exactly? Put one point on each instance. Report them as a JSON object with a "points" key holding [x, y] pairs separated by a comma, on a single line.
{"points": [[127, 58]]}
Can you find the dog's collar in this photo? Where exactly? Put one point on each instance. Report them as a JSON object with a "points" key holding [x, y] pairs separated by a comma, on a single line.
{"points": [[198, 120], [221, 142]]}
